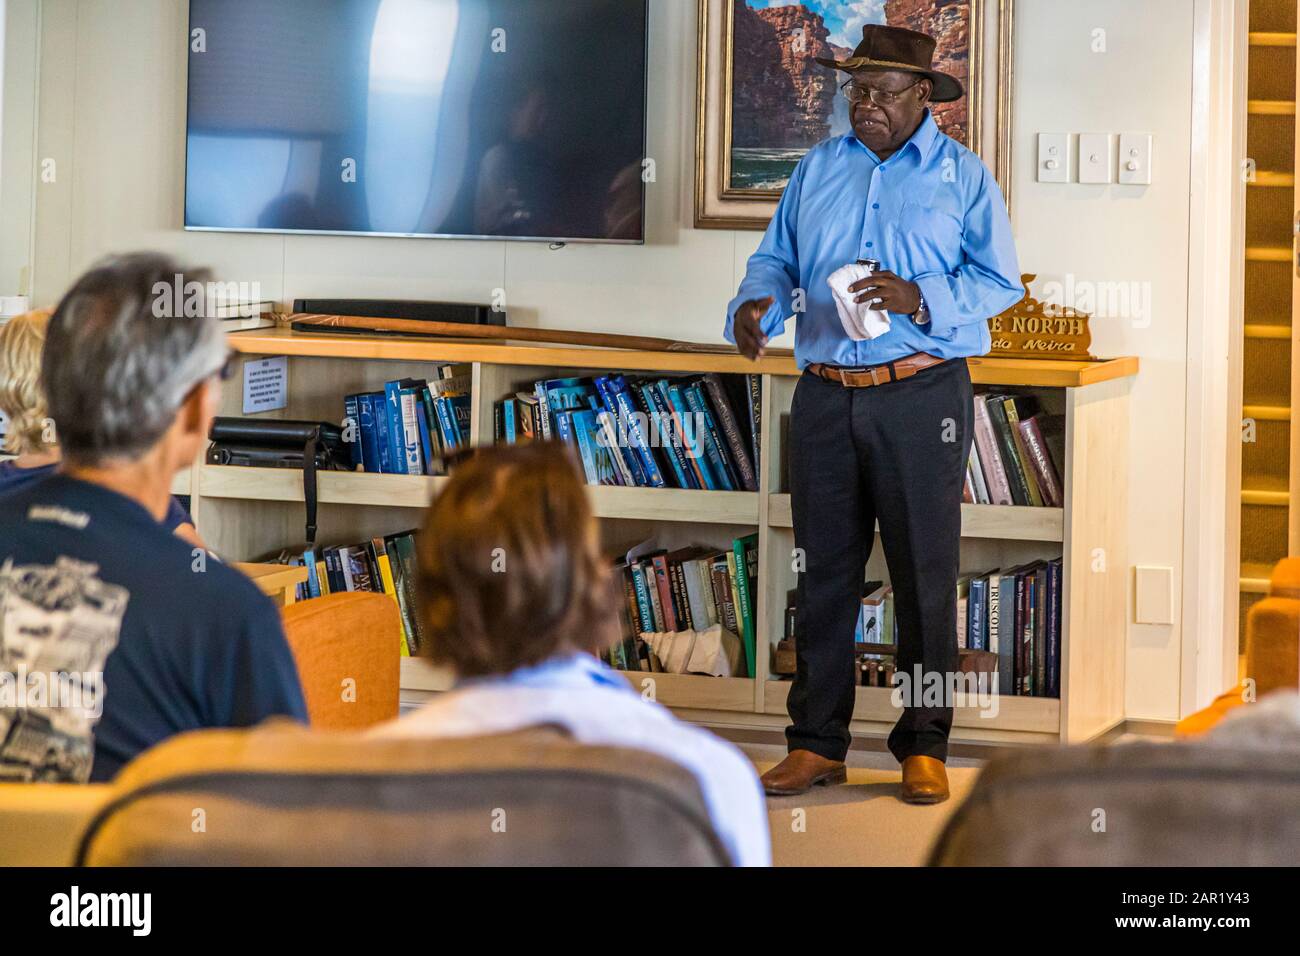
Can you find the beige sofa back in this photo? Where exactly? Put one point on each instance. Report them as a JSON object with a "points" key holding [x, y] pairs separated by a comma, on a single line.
{"points": [[41, 824], [1140, 804], [282, 795]]}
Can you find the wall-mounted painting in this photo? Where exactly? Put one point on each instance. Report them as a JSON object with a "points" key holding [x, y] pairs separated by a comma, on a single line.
{"points": [[764, 101]]}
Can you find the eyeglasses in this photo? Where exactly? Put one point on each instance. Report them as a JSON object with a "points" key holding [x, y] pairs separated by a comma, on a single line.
{"points": [[856, 94], [227, 370]]}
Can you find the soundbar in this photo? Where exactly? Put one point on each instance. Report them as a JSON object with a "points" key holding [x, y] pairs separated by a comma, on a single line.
{"points": [[461, 312]]}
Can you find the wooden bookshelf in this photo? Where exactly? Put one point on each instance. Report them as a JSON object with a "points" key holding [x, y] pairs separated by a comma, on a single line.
{"points": [[248, 513], [1002, 522]]}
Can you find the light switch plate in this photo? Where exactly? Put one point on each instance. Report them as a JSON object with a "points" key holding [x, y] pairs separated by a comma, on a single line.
{"points": [[1135, 159], [1153, 595], [1095, 158], [1053, 158]]}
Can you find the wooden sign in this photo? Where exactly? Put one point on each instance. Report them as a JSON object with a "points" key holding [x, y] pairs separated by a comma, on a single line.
{"points": [[1034, 329]]}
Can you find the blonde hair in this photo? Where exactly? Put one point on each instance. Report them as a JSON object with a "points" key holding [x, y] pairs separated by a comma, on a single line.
{"points": [[22, 340]]}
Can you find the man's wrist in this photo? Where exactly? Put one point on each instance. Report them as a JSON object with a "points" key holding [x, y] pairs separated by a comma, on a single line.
{"points": [[922, 314]]}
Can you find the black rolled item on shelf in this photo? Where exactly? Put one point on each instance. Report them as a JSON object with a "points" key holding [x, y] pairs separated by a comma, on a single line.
{"points": [[278, 443]]}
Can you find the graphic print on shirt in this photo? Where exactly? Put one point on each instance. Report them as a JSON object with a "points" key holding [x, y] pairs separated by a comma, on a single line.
{"points": [[58, 624]]}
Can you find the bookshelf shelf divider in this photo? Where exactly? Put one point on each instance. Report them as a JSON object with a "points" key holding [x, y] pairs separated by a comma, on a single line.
{"points": [[244, 513]]}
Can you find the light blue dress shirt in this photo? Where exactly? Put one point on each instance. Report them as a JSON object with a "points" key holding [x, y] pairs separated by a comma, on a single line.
{"points": [[932, 213], [597, 706]]}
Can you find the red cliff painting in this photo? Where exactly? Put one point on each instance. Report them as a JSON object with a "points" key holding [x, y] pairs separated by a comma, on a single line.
{"points": [[783, 102]]}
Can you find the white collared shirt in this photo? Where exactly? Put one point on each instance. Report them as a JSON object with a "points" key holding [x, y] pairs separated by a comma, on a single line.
{"points": [[596, 706]]}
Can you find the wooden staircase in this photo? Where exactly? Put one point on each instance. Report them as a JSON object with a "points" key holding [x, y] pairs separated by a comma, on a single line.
{"points": [[1270, 464]]}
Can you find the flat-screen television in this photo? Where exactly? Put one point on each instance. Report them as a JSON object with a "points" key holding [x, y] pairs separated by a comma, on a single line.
{"points": [[518, 119]]}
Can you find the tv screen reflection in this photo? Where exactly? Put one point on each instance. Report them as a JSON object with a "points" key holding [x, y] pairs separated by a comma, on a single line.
{"points": [[491, 118]]}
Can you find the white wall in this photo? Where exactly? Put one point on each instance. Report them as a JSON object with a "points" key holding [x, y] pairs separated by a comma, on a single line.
{"points": [[18, 47], [1142, 83], [112, 108]]}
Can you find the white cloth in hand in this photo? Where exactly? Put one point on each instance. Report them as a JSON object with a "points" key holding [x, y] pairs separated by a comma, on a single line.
{"points": [[860, 321]]}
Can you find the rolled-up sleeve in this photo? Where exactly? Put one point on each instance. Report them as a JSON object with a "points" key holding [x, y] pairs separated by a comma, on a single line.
{"points": [[773, 270], [987, 281]]}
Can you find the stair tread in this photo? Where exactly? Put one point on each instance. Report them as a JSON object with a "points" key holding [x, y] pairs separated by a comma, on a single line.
{"points": [[1271, 38]]}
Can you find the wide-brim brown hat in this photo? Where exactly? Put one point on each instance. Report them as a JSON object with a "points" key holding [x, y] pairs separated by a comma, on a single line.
{"points": [[896, 48]]}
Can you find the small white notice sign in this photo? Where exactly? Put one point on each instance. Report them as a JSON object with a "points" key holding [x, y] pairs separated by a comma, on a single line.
{"points": [[266, 384]]}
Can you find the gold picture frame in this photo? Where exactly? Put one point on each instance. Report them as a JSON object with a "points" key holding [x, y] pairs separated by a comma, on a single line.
{"points": [[721, 205]]}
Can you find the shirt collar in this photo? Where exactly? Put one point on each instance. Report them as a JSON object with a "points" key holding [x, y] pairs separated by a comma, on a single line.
{"points": [[922, 140], [573, 670]]}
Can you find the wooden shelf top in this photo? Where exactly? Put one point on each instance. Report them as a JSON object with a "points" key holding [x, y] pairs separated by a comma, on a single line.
{"points": [[272, 577], [408, 491], [997, 522], [1055, 373], [987, 370], [282, 341]]}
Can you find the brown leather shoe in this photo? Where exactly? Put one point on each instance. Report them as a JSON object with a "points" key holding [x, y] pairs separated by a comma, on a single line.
{"points": [[801, 771], [924, 780]]}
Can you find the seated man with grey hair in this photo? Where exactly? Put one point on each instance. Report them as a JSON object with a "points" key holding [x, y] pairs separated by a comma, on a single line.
{"points": [[114, 633]]}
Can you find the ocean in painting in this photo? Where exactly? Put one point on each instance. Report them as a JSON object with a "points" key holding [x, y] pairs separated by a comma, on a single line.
{"points": [[761, 168]]}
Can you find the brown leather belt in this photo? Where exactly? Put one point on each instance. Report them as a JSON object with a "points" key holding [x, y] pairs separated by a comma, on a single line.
{"points": [[894, 371]]}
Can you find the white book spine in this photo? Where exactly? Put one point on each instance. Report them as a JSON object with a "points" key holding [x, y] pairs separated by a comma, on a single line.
{"points": [[411, 434]]}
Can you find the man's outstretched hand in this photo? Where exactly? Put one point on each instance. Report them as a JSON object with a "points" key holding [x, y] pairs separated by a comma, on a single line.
{"points": [[749, 335]]}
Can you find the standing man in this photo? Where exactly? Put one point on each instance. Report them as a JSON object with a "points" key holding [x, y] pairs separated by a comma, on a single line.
{"points": [[880, 428]]}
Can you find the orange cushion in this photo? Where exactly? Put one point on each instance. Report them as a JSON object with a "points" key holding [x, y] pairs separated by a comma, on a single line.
{"points": [[1198, 723], [347, 648], [1285, 579], [1273, 643], [1272, 649]]}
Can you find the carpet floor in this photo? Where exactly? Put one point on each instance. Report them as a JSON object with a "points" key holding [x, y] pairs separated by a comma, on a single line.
{"points": [[861, 823]]}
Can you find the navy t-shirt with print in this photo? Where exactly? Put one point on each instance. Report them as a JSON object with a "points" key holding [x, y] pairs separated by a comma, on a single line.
{"points": [[91, 583], [13, 478]]}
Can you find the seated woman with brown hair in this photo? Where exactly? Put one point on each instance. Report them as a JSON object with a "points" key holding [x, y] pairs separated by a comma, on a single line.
{"points": [[518, 601]]}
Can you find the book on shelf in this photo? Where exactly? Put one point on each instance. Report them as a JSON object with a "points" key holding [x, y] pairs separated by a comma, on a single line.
{"points": [[1008, 622], [382, 565], [411, 425], [242, 316], [692, 432], [688, 609], [1016, 455]]}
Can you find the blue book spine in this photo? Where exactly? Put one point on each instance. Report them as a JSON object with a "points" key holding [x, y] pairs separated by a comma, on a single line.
{"points": [[368, 432], [446, 422], [410, 401], [630, 457], [975, 616], [657, 411], [561, 422], [717, 462], [396, 430], [664, 404], [618, 388], [380, 405], [313, 582], [1054, 628], [581, 433], [508, 420], [352, 423], [460, 410], [693, 436], [642, 600], [426, 439]]}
